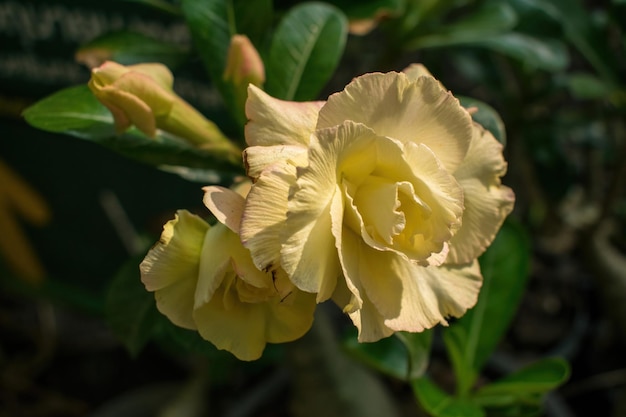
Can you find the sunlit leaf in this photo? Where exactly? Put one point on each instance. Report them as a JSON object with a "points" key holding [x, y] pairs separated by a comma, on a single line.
{"points": [[505, 267], [486, 116], [403, 356], [437, 403], [305, 51], [129, 48], [76, 112]]}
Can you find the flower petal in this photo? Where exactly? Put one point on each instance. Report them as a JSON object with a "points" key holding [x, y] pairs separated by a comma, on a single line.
{"points": [[487, 202], [225, 204], [257, 158], [419, 112], [171, 267], [265, 213], [414, 71], [431, 294], [158, 98], [239, 329], [308, 252], [278, 122], [127, 110], [399, 295], [158, 72], [214, 262], [291, 317], [361, 310]]}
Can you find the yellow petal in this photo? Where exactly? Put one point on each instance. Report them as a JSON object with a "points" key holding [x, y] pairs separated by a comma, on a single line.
{"points": [[423, 205], [175, 302], [214, 262], [399, 295], [278, 122], [361, 310], [127, 110], [147, 90], [239, 330], [439, 190], [431, 294], [258, 158], [414, 71], [171, 267], [290, 316], [265, 213], [158, 72], [225, 204], [418, 112], [487, 202], [315, 209]]}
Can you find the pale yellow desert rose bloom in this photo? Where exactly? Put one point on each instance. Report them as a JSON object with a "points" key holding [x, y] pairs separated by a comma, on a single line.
{"points": [[382, 198], [204, 279]]}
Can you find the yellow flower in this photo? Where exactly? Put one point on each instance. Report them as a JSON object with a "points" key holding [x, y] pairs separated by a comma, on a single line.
{"points": [[381, 198], [204, 279], [142, 95]]}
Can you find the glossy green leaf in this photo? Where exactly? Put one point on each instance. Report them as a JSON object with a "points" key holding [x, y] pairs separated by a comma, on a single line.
{"points": [[471, 340], [486, 116], [534, 53], [212, 24], [484, 23], [403, 355], [437, 403], [536, 378], [130, 310], [305, 51], [76, 112], [129, 48]]}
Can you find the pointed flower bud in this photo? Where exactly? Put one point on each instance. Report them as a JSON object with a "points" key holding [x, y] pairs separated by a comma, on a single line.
{"points": [[142, 95], [244, 64]]}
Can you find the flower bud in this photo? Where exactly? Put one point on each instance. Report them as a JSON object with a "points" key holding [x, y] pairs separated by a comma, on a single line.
{"points": [[244, 65], [142, 95]]}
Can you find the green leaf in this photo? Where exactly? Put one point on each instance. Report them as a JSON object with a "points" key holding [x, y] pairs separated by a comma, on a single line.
{"points": [[129, 48], [546, 54], [587, 86], [437, 403], [579, 30], [212, 24], [471, 340], [484, 23], [536, 378], [130, 310], [75, 111], [486, 116], [305, 51], [403, 356]]}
